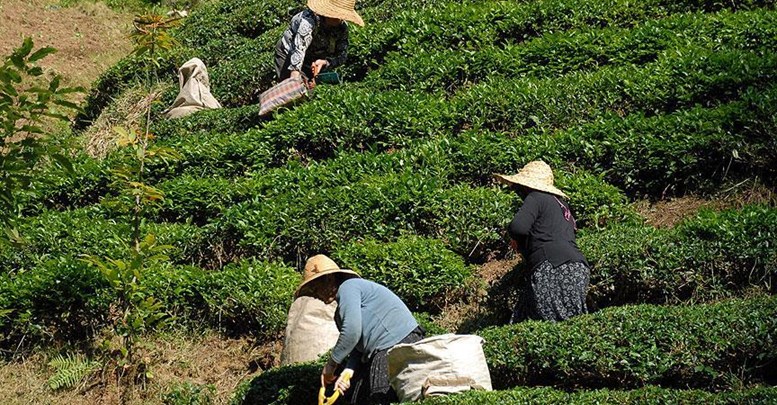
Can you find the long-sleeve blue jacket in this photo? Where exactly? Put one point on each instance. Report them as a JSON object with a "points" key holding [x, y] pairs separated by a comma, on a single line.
{"points": [[370, 318]]}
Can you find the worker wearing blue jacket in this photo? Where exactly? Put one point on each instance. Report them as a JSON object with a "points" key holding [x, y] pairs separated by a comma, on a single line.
{"points": [[371, 319]]}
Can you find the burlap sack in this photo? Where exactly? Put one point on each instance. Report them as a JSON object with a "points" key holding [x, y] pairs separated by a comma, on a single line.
{"points": [[194, 94], [310, 330], [438, 365]]}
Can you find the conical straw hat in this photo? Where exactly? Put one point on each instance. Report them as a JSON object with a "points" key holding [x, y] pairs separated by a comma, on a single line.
{"points": [[536, 175], [341, 9], [315, 268]]}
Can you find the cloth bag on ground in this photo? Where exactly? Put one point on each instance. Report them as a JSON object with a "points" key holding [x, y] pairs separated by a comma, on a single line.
{"points": [[438, 365], [284, 93], [194, 94], [310, 330]]}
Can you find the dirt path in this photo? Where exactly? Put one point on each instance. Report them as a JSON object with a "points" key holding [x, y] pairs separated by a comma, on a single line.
{"points": [[90, 37]]}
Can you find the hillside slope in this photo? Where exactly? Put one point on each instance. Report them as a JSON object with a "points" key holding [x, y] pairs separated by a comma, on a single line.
{"points": [[390, 174]]}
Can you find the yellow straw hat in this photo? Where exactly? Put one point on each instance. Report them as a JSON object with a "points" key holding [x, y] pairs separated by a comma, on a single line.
{"points": [[341, 9], [536, 175], [315, 268]]}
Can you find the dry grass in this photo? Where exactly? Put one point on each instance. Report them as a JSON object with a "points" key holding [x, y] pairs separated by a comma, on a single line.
{"points": [[127, 111], [200, 360]]}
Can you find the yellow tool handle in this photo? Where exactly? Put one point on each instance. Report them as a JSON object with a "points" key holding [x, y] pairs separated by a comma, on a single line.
{"points": [[323, 399]]}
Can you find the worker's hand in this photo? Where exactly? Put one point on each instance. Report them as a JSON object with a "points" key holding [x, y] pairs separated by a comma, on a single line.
{"points": [[328, 373], [514, 245], [318, 66], [295, 74], [344, 381]]}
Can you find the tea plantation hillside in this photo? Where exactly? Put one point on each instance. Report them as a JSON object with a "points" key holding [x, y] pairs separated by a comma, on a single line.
{"points": [[390, 173]]}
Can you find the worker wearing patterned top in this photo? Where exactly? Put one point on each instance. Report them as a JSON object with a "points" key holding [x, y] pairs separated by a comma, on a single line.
{"points": [[316, 40]]}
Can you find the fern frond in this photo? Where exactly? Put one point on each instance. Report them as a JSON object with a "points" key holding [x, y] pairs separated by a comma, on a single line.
{"points": [[70, 370]]}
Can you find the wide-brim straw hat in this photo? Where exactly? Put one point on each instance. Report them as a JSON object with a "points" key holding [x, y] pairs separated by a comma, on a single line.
{"points": [[341, 9], [316, 267], [536, 175]]}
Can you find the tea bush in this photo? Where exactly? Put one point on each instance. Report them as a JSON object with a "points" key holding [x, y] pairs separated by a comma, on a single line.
{"points": [[420, 271], [62, 299], [653, 395], [633, 346], [711, 256], [249, 297], [300, 222], [451, 26], [589, 48], [688, 150], [89, 181], [295, 384], [89, 231], [282, 385], [680, 79]]}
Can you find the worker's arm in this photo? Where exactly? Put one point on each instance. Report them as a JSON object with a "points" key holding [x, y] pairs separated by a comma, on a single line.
{"points": [[341, 51], [302, 39], [350, 313], [524, 219]]}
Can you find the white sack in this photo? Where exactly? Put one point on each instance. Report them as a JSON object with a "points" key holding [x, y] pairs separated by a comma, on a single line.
{"points": [[310, 330], [194, 94], [438, 365]]}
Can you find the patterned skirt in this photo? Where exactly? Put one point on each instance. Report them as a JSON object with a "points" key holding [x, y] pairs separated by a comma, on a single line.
{"points": [[553, 293]]}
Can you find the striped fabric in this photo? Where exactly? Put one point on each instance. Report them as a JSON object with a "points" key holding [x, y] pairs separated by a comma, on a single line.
{"points": [[283, 93]]}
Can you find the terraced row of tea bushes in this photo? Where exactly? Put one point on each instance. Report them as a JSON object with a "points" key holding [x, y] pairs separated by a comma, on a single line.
{"points": [[353, 118], [421, 271], [201, 201], [89, 231], [687, 150], [681, 79], [63, 298], [646, 395], [67, 300], [547, 106], [660, 87], [472, 27], [700, 346], [253, 297], [616, 348], [708, 257], [220, 29], [691, 149], [277, 387], [249, 297], [555, 54], [298, 223]]}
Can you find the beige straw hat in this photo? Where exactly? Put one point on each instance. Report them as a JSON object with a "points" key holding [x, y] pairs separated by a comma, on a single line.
{"points": [[341, 9], [315, 268], [536, 175]]}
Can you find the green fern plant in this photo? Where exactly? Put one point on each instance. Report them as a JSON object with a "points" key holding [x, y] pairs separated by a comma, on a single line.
{"points": [[70, 370]]}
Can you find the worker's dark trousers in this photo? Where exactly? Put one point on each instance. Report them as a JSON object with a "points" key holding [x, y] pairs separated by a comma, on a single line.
{"points": [[371, 385]]}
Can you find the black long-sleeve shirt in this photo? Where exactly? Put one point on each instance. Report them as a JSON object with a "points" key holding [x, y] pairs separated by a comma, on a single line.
{"points": [[543, 232]]}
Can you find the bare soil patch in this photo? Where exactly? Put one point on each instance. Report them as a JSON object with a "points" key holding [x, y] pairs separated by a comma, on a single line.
{"points": [[668, 213], [89, 37], [209, 359]]}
